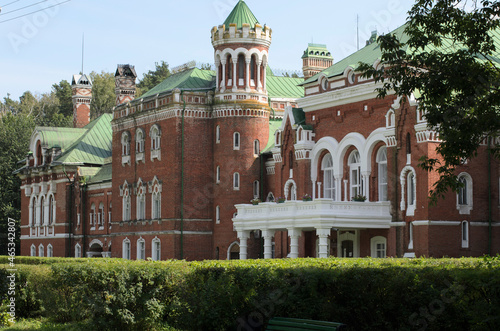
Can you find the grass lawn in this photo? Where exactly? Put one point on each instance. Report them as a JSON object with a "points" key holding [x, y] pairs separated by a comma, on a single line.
{"points": [[45, 324]]}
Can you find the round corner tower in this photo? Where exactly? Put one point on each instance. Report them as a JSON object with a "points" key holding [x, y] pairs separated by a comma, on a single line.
{"points": [[241, 118]]}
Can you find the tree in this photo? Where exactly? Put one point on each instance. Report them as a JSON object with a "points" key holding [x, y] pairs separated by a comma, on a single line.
{"points": [[15, 133], [64, 94], [103, 93], [447, 58], [153, 78]]}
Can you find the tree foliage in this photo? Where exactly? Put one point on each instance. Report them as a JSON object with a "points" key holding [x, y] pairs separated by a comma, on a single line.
{"points": [[153, 77], [103, 93], [448, 59]]}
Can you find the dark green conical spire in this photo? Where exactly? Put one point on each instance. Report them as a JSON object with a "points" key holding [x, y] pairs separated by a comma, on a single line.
{"points": [[241, 14]]}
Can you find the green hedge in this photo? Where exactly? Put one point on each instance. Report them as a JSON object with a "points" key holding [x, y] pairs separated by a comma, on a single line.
{"points": [[366, 294]]}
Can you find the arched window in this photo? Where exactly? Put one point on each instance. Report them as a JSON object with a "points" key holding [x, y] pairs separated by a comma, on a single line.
{"points": [[229, 69], [236, 181], [109, 213], [139, 141], [155, 134], [33, 250], [156, 249], [100, 216], [50, 251], [92, 215], [465, 234], [78, 250], [217, 215], [156, 207], [52, 210], [382, 173], [256, 189], [253, 71], [39, 154], [329, 191], [41, 250], [236, 141], [217, 134], [126, 206], [125, 144], [355, 174], [465, 194], [126, 249], [141, 249], [141, 202], [241, 68], [278, 138], [42, 212], [32, 215], [256, 148], [411, 193]]}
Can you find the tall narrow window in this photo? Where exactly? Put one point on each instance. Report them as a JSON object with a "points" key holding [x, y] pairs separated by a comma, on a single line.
{"points": [[217, 134], [256, 189], [465, 234], [141, 202], [217, 215], [52, 211], [126, 249], [382, 173], [217, 175], [236, 141], [109, 214], [411, 194], [78, 251], [355, 174], [156, 212], [408, 143], [100, 216], [256, 148], [126, 206], [236, 181], [328, 177], [42, 211], [139, 141], [156, 250], [50, 251], [33, 250], [410, 235], [464, 194], [125, 144], [141, 249], [92, 215], [229, 69], [155, 137], [241, 68], [41, 250], [253, 70]]}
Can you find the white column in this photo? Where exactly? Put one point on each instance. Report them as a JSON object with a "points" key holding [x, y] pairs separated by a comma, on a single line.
{"points": [[346, 192], [259, 85], [338, 187], [223, 82], [294, 235], [235, 74], [243, 236], [323, 242], [268, 243], [217, 79], [366, 185], [314, 190], [319, 190], [247, 77], [265, 76]]}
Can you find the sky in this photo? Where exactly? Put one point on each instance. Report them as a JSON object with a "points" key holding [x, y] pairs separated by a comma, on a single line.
{"points": [[41, 44]]}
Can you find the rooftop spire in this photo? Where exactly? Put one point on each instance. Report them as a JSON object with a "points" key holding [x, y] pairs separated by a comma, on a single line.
{"points": [[241, 14]]}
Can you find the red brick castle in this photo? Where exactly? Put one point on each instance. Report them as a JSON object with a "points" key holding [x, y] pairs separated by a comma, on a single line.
{"points": [[331, 170]]}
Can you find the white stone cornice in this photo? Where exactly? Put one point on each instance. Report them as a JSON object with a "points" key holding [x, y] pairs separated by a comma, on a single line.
{"points": [[339, 97]]}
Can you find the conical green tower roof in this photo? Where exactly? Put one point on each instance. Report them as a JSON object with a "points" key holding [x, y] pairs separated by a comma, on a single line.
{"points": [[241, 14]]}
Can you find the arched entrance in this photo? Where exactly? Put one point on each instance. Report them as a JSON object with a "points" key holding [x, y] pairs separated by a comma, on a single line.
{"points": [[95, 248], [233, 253]]}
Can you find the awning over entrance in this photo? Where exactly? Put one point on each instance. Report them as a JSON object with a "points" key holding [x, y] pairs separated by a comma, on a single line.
{"points": [[294, 216]]}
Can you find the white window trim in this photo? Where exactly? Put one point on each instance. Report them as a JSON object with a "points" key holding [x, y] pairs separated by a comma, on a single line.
{"points": [[126, 211], [382, 187], [236, 181], [328, 169], [126, 252], [373, 244], [33, 250], [141, 197], [78, 251], [465, 235], [465, 209], [217, 215], [410, 229], [256, 148], [41, 250], [50, 251], [125, 143], [156, 196], [355, 166], [141, 253], [410, 211], [155, 134], [236, 146], [217, 175], [156, 256], [217, 134]]}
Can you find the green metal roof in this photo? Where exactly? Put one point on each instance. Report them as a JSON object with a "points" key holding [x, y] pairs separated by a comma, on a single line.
{"points": [[284, 87], [241, 14], [94, 146], [104, 175], [317, 51], [59, 137], [274, 125], [367, 54], [191, 79]]}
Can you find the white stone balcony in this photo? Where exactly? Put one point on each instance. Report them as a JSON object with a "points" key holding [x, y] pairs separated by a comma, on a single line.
{"points": [[317, 214]]}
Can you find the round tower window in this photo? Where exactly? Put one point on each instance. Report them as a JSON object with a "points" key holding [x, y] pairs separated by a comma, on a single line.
{"points": [[352, 77], [324, 84]]}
